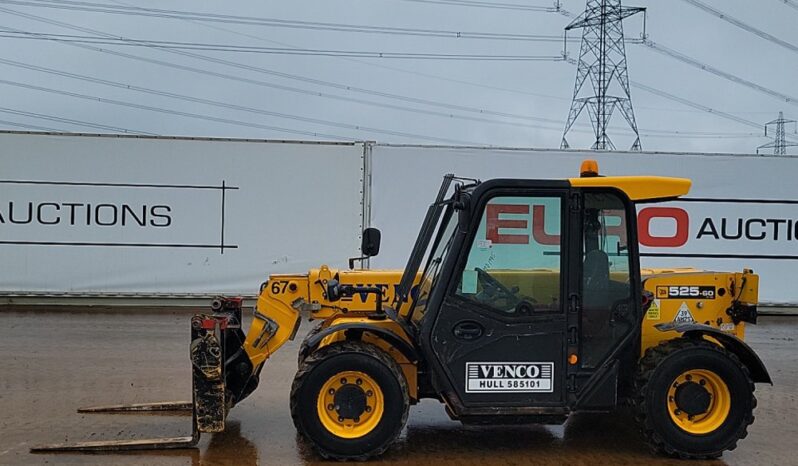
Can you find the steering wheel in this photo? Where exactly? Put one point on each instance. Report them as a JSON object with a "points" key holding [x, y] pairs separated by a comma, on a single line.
{"points": [[492, 286], [500, 296]]}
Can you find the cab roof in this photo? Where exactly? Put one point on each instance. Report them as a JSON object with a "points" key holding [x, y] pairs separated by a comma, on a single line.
{"points": [[638, 188]]}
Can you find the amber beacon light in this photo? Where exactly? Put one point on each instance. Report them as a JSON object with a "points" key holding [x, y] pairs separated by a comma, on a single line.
{"points": [[589, 168]]}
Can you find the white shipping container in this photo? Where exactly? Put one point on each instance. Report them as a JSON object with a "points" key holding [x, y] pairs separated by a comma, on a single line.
{"points": [[87, 215], [105, 215]]}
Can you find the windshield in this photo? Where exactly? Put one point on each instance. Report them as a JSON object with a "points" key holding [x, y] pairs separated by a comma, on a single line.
{"points": [[437, 255], [422, 242]]}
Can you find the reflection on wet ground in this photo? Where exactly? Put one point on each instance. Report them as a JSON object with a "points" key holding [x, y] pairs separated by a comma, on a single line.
{"points": [[55, 362]]}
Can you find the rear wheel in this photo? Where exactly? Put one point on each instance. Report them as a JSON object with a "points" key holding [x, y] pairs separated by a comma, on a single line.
{"points": [[695, 399], [350, 399]]}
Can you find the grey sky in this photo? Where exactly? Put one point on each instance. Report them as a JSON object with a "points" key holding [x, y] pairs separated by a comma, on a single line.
{"points": [[538, 89]]}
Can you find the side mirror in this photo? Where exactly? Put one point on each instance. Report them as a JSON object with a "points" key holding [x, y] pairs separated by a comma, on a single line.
{"points": [[333, 290], [370, 245]]}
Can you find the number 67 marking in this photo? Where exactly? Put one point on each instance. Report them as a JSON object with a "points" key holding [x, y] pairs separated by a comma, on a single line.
{"points": [[279, 287]]}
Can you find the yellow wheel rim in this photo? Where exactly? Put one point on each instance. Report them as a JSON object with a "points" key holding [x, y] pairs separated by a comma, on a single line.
{"points": [[350, 404], [710, 412]]}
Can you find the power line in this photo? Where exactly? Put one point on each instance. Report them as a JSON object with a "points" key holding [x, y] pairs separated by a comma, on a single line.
{"points": [[239, 122], [332, 96], [401, 70], [676, 136], [28, 126], [71, 121], [693, 104], [188, 98], [301, 91], [339, 86], [126, 10], [790, 3], [69, 26], [723, 74], [742, 25], [254, 110], [369, 54], [494, 5], [276, 50], [381, 65], [280, 23], [661, 133]]}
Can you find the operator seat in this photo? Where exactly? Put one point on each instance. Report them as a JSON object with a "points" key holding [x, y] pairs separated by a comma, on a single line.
{"points": [[597, 303], [596, 272]]}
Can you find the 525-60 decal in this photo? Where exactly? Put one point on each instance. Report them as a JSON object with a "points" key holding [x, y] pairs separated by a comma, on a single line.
{"points": [[686, 292]]}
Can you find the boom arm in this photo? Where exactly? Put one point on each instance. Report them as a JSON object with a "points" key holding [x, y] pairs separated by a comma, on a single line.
{"points": [[285, 299]]}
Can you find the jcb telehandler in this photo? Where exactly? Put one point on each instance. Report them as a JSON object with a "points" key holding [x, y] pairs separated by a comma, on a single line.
{"points": [[522, 301]]}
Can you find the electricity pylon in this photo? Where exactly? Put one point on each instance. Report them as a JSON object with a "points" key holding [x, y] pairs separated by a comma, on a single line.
{"points": [[780, 143], [602, 61]]}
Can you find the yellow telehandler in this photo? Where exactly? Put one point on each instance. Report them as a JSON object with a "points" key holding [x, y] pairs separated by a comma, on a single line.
{"points": [[522, 301]]}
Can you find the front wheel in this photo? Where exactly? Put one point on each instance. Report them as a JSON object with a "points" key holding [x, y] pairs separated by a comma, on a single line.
{"points": [[694, 398], [350, 399]]}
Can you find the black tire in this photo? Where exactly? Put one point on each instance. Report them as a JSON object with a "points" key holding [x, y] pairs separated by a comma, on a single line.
{"points": [[658, 370], [323, 364], [303, 347]]}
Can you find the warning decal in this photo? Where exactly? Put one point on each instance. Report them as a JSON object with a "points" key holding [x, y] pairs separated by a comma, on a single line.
{"points": [[653, 311], [684, 316]]}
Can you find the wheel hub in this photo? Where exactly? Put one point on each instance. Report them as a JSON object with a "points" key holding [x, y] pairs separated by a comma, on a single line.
{"points": [[699, 401], [692, 398], [350, 404], [350, 401]]}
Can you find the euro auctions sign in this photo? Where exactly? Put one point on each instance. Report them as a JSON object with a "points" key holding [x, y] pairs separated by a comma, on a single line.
{"points": [[693, 228], [741, 212], [720, 228]]}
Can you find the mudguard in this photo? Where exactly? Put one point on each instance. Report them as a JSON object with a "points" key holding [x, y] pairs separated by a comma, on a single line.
{"points": [[391, 337], [759, 373]]}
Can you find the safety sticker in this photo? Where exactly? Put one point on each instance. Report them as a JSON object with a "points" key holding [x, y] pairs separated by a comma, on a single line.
{"points": [[509, 377], [484, 244], [683, 316], [727, 327], [653, 311]]}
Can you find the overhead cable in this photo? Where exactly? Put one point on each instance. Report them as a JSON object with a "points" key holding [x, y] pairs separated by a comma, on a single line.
{"points": [[88, 124], [723, 74], [742, 25], [239, 122], [279, 22]]}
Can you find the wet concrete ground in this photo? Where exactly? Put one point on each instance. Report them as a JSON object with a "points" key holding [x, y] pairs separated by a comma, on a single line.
{"points": [[54, 362]]}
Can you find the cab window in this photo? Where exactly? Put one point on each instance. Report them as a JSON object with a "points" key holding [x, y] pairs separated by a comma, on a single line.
{"points": [[606, 284], [514, 261]]}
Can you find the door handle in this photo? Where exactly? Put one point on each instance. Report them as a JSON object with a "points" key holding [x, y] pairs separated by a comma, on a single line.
{"points": [[468, 330]]}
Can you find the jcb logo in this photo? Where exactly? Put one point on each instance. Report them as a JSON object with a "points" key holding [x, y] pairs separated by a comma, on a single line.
{"points": [[686, 292]]}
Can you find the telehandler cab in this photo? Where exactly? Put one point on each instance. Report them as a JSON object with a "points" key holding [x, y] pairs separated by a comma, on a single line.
{"points": [[522, 301]]}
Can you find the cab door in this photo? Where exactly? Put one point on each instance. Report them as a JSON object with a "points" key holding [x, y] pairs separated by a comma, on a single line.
{"points": [[501, 330]]}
